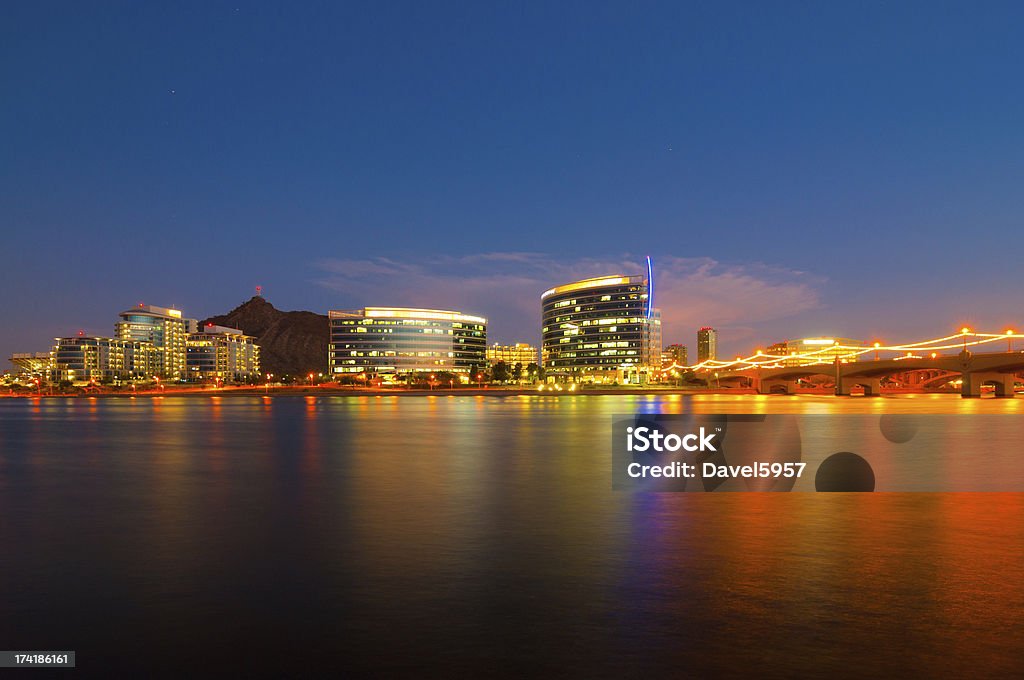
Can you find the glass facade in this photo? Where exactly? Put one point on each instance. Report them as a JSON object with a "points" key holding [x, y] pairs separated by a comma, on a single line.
{"points": [[87, 358], [393, 340], [519, 353], [165, 329], [222, 353], [601, 330]]}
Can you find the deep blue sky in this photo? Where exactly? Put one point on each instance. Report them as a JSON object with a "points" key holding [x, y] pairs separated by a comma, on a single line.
{"points": [[869, 157]]}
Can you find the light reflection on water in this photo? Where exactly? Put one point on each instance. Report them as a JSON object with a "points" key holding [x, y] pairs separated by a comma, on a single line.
{"points": [[473, 533]]}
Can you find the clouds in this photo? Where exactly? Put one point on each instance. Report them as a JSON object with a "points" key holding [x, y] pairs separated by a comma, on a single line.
{"points": [[506, 288]]}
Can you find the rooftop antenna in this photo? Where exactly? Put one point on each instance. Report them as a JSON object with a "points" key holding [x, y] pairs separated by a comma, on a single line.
{"points": [[650, 287]]}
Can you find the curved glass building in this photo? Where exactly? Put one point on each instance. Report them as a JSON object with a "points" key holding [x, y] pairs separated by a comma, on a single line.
{"points": [[165, 329], [394, 340], [601, 330]]}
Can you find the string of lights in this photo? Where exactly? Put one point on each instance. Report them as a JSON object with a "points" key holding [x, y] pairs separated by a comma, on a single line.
{"points": [[828, 354]]}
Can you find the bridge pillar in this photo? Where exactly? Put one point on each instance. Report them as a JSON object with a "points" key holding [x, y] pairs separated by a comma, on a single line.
{"points": [[872, 386], [766, 386], [972, 382]]}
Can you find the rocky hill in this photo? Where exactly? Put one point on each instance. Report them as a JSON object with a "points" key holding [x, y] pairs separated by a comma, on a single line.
{"points": [[291, 343]]}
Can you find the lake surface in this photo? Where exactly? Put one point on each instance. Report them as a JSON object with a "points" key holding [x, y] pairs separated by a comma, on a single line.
{"points": [[417, 535]]}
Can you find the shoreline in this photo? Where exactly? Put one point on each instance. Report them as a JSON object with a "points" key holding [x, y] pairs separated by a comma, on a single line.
{"points": [[307, 391], [366, 392]]}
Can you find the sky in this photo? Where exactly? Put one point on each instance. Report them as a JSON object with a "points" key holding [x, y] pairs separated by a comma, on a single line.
{"points": [[794, 169]]}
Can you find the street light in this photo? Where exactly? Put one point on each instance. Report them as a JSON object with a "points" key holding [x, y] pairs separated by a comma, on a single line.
{"points": [[877, 345], [479, 380], [1009, 339], [964, 331], [431, 383]]}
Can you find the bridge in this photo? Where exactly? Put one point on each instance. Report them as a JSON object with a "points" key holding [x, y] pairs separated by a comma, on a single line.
{"points": [[865, 368]]}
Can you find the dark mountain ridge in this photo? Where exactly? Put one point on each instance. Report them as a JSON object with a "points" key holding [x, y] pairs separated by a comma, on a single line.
{"points": [[291, 343]]}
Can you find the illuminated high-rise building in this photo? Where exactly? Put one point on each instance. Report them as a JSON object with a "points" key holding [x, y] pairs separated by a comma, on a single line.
{"points": [[165, 329], [707, 344], [604, 329], [397, 340], [221, 353], [83, 358]]}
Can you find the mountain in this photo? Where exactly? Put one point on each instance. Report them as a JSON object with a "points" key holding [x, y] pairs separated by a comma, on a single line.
{"points": [[291, 343]]}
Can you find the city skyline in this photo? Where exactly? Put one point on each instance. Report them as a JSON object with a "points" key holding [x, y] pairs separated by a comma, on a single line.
{"points": [[764, 347], [837, 171]]}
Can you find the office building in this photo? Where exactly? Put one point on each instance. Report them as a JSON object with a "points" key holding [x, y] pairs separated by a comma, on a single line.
{"points": [[707, 344], [83, 358], [165, 329], [821, 350], [218, 353], [519, 353], [675, 354], [601, 330], [398, 340]]}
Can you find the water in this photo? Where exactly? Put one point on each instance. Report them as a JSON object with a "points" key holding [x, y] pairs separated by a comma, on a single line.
{"points": [[417, 535]]}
